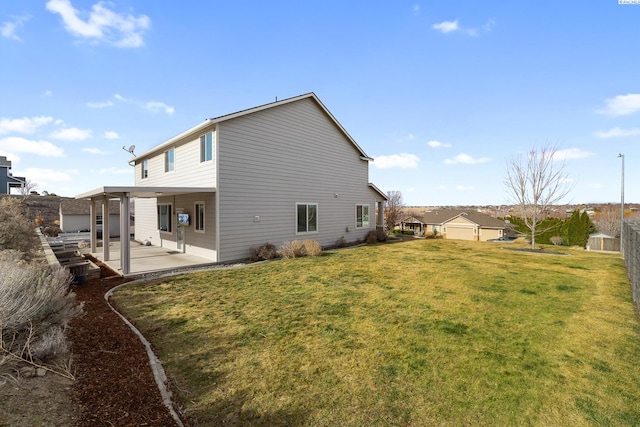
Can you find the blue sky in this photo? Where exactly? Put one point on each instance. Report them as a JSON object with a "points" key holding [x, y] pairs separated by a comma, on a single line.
{"points": [[441, 93]]}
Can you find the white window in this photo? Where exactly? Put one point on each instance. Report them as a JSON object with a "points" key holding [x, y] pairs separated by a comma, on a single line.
{"points": [[145, 169], [306, 218], [169, 160], [362, 216], [199, 216], [164, 217], [206, 147]]}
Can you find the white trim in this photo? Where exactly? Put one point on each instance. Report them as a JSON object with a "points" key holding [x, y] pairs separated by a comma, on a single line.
{"points": [[317, 218], [363, 226], [171, 219], [195, 216]]}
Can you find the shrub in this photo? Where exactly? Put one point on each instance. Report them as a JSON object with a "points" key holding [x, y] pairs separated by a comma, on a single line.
{"points": [[16, 230], [556, 240], [377, 235], [264, 252], [36, 306], [341, 242], [51, 231], [312, 248], [292, 249]]}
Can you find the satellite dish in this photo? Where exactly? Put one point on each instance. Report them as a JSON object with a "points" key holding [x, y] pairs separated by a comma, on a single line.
{"points": [[130, 149]]}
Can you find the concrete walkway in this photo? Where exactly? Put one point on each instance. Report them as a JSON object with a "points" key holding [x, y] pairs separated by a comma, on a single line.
{"points": [[147, 260]]}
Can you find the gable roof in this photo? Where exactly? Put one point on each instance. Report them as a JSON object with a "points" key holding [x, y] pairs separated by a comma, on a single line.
{"points": [[241, 113], [441, 216]]}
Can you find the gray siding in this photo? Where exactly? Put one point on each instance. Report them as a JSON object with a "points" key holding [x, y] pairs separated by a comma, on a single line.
{"points": [[271, 159], [189, 171], [196, 243]]}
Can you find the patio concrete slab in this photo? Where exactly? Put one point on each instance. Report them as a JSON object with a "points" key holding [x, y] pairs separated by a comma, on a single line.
{"points": [[146, 260]]}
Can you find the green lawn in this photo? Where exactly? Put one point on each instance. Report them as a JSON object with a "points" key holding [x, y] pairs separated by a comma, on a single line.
{"points": [[428, 332]]}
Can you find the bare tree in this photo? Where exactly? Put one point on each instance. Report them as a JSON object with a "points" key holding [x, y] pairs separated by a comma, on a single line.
{"points": [[607, 220], [28, 187], [393, 208], [535, 183]]}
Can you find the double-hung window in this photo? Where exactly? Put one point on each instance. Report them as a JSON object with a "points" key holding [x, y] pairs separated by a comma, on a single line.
{"points": [[206, 147], [362, 216], [145, 169], [164, 217], [199, 220], [170, 160], [306, 218]]}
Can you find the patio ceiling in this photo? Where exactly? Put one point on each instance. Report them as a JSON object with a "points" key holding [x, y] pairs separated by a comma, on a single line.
{"points": [[142, 192]]}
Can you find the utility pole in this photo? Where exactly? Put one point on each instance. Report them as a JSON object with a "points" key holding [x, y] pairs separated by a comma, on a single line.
{"points": [[621, 156]]}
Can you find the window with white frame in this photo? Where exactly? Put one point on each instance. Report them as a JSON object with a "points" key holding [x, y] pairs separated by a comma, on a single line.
{"points": [[199, 216], [164, 217], [206, 147], [362, 216], [306, 218], [145, 169], [169, 160]]}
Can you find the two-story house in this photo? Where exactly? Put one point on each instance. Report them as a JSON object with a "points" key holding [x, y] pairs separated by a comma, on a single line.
{"points": [[282, 171], [7, 180]]}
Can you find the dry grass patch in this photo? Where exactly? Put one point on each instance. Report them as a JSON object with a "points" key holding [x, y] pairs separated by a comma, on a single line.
{"points": [[420, 333]]}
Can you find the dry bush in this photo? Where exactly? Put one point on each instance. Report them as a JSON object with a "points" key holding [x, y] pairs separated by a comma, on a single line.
{"points": [[312, 247], [292, 249], [51, 231], [36, 306], [266, 251], [16, 230], [341, 242], [372, 237], [382, 235]]}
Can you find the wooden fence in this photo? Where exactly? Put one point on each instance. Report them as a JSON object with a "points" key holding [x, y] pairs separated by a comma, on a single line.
{"points": [[631, 255]]}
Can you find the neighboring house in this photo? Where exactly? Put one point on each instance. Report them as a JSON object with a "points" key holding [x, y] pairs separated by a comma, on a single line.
{"points": [[7, 180], [75, 215], [457, 224], [283, 171]]}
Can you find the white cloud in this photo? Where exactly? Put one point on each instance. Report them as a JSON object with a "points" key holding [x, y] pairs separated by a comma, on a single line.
{"points": [[403, 161], [15, 144], [158, 107], [120, 97], [100, 104], [616, 132], [438, 144], [416, 9], [44, 176], [94, 151], [8, 29], [446, 26], [452, 26], [622, 105], [111, 135], [115, 171], [571, 153], [102, 24], [72, 134], [466, 159], [48, 92], [24, 125]]}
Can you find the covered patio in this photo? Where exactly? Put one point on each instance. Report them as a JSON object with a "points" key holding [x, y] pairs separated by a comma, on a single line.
{"points": [[145, 260], [128, 257]]}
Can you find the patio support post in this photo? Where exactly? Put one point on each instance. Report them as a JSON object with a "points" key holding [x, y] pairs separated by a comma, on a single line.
{"points": [[125, 244], [92, 214], [105, 228], [380, 218]]}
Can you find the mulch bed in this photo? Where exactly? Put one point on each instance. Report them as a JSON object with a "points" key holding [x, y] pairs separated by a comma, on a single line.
{"points": [[114, 382]]}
